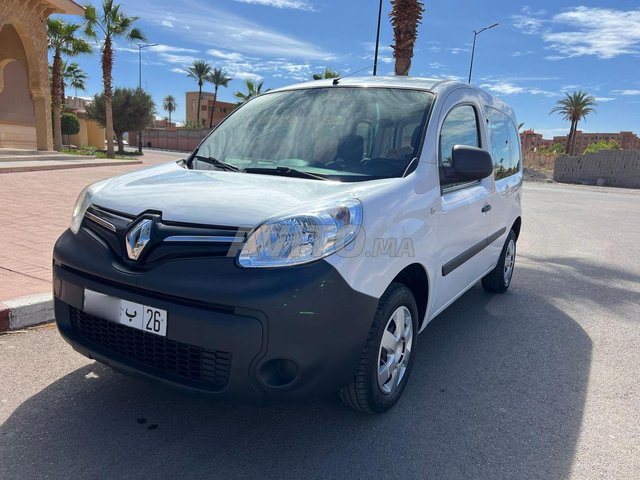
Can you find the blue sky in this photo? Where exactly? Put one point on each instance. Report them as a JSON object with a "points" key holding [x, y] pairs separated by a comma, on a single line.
{"points": [[539, 50]]}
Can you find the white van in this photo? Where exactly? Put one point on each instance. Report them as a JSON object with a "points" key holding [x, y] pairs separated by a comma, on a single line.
{"points": [[302, 247]]}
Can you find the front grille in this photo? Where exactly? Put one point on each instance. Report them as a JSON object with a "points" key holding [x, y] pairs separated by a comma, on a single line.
{"points": [[169, 240], [205, 368]]}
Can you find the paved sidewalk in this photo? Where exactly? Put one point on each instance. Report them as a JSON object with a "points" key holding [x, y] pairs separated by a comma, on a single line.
{"points": [[35, 208]]}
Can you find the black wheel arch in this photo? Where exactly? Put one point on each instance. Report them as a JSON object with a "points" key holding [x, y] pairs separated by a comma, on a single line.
{"points": [[416, 279]]}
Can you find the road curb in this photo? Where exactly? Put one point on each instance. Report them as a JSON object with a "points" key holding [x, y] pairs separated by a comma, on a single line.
{"points": [[26, 311]]}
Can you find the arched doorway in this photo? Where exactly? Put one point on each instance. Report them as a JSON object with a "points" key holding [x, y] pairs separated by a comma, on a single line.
{"points": [[25, 119]]}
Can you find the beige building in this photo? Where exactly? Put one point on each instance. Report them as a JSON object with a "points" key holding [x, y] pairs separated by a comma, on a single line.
{"points": [[91, 133], [25, 98], [222, 108]]}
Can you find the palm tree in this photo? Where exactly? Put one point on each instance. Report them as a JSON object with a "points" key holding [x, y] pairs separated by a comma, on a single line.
{"points": [[62, 40], [575, 107], [74, 77], [110, 24], [169, 105], [199, 71], [219, 79], [253, 90], [405, 15], [328, 73]]}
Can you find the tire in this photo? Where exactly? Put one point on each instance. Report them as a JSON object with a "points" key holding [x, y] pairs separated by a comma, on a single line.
{"points": [[499, 279], [366, 392]]}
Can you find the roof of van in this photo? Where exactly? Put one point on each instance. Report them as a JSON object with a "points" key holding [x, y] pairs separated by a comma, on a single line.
{"points": [[436, 85]]}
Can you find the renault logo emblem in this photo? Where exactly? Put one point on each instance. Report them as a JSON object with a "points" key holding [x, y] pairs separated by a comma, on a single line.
{"points": [[138, 238]]}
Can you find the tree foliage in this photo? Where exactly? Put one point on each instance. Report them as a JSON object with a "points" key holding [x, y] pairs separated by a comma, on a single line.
{"points": [[218, 78], [199, 71], [253, 90], [573, 108], [555, 149], [63, 40], [169, 105], [133, 110], [70, 123], [602, 145], [106, 24], [328, 73]]}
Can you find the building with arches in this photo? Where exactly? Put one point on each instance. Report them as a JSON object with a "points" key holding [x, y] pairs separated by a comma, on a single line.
{"points": [[25, 97]]}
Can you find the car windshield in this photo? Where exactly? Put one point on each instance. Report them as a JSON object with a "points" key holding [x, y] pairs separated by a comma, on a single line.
{"points": [[337, 133]]}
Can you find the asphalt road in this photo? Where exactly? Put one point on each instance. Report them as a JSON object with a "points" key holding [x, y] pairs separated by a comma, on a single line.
{"points": [[542, 382]]}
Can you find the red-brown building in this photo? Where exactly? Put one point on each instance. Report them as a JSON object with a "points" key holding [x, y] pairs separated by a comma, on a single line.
{"points": [[532, 141], [206, 105]]}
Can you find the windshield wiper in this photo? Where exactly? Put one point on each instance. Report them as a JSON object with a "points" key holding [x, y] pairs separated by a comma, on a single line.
{"points": [[218, 163], [284, 172]]}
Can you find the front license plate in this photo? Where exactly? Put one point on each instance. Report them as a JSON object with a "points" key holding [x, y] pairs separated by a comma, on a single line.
{"points": [[135, 315]]}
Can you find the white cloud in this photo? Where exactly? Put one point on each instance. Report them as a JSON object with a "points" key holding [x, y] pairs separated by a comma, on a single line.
{"points": [[168, 21], [227, 31], [180, 60], [292, 4], [457, 50], [579, 31], [626, 92], [522, 54], [529, 21], [171, 49], [509, 88], [604, 99], [242, 75], [232, 56]]}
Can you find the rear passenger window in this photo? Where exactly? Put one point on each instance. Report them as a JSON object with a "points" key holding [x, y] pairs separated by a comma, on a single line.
{"points": [[459, 128], [505, 144]]}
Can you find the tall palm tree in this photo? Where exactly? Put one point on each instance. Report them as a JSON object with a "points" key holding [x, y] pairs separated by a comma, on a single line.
{"points": [[328, 73], [405, 16], [62, 40], [199, 71], [74, 77], [219, 79], [169, 105], [253, 90], [107, 25], [573, 108]]}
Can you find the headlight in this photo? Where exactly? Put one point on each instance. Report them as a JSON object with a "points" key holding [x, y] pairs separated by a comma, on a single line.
{"points": [[83, 203], [304, 237]]}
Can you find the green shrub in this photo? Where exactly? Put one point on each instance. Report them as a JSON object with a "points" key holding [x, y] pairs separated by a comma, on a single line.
{"points": [[70, 125], [596, 147]]}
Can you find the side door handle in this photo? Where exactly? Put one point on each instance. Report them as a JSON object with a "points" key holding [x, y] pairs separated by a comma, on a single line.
{"points": [[486, 208]]}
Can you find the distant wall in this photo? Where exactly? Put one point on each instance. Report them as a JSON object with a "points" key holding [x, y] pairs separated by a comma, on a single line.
{"points": [[182, 140], [539, 160], [91, 134], [617, 168]]}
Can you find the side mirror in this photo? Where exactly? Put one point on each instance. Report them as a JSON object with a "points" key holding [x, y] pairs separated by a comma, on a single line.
{"points": [[471, 163]]}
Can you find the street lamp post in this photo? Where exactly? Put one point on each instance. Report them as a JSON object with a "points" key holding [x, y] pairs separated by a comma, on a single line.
{"points": [[375, 57], [473, 50], [140, 47]]}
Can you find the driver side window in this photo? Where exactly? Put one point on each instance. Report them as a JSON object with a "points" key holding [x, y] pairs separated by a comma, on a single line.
{"points": [[459, 128]]}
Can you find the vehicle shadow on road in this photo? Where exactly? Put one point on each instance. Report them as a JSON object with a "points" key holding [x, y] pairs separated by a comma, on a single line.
{"points": [[497, 391]]}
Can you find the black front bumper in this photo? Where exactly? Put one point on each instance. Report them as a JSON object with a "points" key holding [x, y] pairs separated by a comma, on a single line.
{"points": [[260, 335]]}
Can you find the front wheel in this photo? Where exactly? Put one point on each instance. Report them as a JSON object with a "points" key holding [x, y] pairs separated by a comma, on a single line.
{"points": [[499, 279], [387, 358]]}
